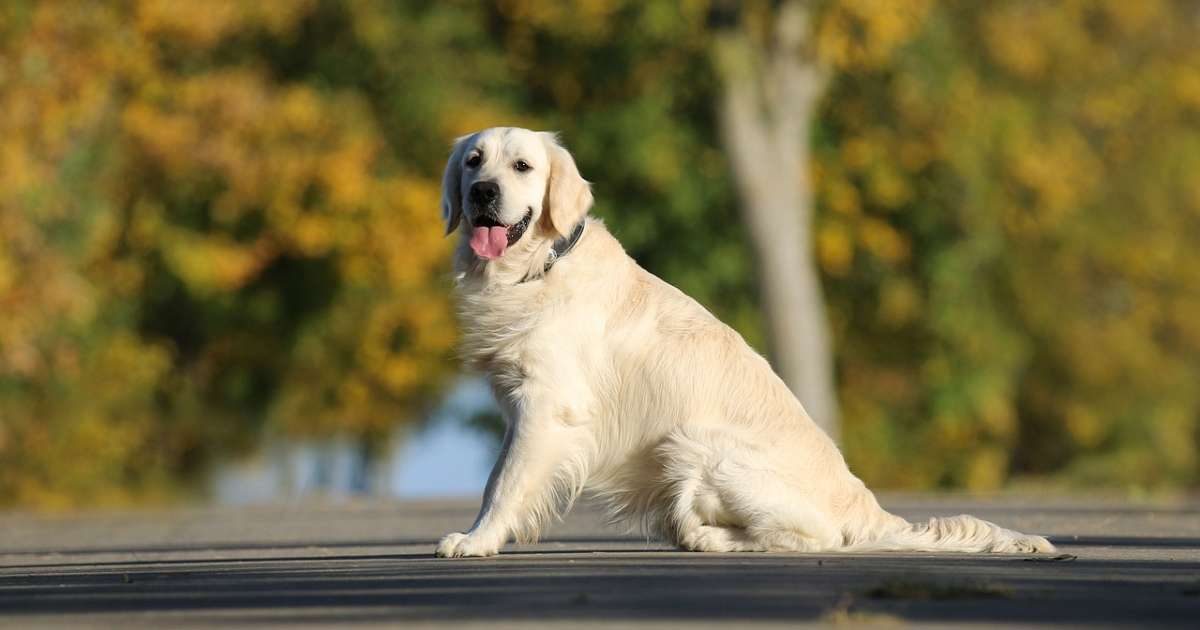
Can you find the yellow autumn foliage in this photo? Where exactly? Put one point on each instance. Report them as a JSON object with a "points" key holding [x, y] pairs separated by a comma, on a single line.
{"points": [[196, 247]]}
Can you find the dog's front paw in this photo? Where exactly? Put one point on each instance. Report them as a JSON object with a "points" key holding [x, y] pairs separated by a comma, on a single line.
{"points": [[458, 545]]}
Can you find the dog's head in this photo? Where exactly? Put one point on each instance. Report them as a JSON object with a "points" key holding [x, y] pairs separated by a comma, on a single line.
{"points": [[505, 180]]}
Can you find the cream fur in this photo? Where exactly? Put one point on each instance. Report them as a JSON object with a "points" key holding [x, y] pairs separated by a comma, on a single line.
{"points": [[613, 381]]}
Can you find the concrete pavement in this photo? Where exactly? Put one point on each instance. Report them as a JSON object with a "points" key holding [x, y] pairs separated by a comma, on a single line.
{"points": [[370, 563]]}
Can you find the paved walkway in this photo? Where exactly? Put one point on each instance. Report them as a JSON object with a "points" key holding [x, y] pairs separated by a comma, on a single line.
{"points": [[372, 564]]}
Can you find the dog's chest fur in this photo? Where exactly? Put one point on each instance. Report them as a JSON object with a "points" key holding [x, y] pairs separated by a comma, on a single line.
{"points": [[544, 338], [499, 325]]}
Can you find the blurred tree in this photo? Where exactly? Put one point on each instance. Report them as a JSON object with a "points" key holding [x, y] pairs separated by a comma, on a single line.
{"points": [[770, 91], [927, 150], [1010, 230], [217, 219], [630, 86]]}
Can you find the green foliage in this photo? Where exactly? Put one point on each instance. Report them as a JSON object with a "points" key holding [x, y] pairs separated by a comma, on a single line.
{"points": [[1033, 162], [1006, 216], [629, 86]]}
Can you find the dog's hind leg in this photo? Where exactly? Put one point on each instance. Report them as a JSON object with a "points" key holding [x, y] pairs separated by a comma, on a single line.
{"points": [[695, 520], [727, 499], [775, 515]]}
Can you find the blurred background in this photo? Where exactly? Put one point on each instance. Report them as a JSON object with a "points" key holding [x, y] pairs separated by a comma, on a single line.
{"points": [[223, 276]]}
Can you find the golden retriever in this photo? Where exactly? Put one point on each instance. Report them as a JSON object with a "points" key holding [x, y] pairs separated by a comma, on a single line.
{"points": [[613, 381]]}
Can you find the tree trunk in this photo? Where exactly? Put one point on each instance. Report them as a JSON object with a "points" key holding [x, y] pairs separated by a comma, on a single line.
{"points": [[769, 101]]}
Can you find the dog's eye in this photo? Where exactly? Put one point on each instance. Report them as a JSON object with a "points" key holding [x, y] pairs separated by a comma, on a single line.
{"points": [[521, 166], [474, 160]]}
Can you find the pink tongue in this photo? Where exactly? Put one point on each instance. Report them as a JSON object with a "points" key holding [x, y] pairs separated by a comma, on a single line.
{"points": [[489, 243]]}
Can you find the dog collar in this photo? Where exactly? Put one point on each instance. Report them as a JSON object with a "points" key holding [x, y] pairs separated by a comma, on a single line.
{"points": [[561, 247]]}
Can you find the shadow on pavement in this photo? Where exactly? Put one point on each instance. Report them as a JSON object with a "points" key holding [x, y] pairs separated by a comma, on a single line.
{"points": [[620, 585]]}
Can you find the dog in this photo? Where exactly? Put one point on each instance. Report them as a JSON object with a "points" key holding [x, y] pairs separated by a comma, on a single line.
{"points": [[612, 381]]}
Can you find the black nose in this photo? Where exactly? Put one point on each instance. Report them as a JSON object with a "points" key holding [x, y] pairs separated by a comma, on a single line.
{"points": [[484, 192]]}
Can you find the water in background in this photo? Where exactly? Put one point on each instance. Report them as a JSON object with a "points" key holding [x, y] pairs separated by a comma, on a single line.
{"points": [[446, 457]]}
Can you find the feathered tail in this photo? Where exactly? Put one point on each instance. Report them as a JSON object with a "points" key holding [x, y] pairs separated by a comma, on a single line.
{"points": [[954, 533]]}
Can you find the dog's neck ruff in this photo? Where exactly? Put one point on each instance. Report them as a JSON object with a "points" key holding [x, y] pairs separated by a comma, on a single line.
{"points": [[561, 247]]}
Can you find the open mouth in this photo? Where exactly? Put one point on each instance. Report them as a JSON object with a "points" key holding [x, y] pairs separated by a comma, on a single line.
{"points": [[513, 231], [489, 237]]}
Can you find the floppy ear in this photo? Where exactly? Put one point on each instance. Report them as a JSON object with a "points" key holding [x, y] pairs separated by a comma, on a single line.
{"points": [[451, 192], [568, 195]]}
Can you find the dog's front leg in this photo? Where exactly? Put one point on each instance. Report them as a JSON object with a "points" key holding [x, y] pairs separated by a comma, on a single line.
{"points": [[520, 493]]}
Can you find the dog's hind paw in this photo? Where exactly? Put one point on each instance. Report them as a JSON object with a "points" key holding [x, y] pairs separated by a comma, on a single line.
{"points": [[1025, 543], [458, 545], [1035, 544], [711, 539]]}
